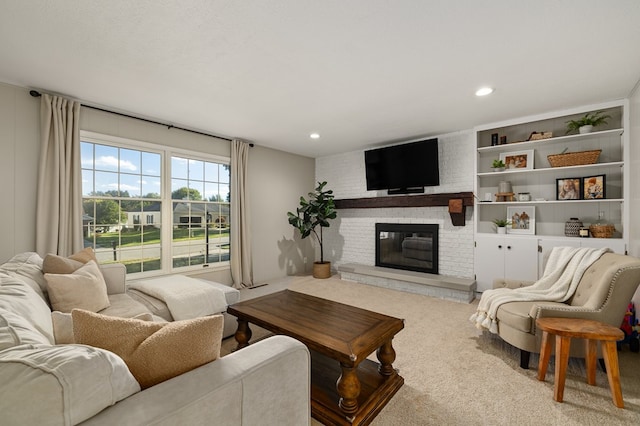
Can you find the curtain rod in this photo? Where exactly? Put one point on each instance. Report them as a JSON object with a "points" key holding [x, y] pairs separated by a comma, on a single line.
{"points": [[37, 94]]}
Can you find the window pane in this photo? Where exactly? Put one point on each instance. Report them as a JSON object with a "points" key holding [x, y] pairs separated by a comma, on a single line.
{"points": [[179, 168], [151, 164], [87, 182], [211, 172], [130, 185], [196, 170], [196, 190], [86, 155], [225, 174], [225, 193], [106, 158], [106, 184], [129, 161], [151, 187], [180, 189]]}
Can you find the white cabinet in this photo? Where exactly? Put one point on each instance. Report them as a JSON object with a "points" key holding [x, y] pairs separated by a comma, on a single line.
{"points": [[505, 256], [540, 180]]}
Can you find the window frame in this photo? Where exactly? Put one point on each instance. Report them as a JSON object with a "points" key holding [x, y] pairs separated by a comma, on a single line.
{"points": [[166, 223]]}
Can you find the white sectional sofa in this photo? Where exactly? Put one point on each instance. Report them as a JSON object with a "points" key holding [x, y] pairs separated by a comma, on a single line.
{"points": [[42, 383]]}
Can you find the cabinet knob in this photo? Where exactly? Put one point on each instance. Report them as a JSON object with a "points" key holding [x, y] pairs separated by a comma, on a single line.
{"points": [[499, 246], [508, 247]]}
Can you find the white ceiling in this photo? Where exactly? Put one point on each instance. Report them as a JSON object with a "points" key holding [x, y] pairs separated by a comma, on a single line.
{"points": [[360, 72]]}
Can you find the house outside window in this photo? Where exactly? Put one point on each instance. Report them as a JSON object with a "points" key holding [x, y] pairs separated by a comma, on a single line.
{"points": [[183, 198]]}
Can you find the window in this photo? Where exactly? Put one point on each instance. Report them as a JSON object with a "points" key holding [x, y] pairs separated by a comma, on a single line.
{"points": [[200, 206], [131, 217]]}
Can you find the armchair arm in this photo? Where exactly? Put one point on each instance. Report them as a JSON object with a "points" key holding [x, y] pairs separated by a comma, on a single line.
{"points": [[115, 275], [562, 310]]}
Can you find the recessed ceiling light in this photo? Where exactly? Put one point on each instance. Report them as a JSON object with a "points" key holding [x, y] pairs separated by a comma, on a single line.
{"points": [[314, 136], [484, 91]]}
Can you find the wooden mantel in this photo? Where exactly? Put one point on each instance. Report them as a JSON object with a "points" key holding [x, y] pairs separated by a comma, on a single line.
{"points": [[456, 201], [426, 200]]}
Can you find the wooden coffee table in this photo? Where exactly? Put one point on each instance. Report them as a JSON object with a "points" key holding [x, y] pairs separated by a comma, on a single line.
{"points": [[346, 388]]}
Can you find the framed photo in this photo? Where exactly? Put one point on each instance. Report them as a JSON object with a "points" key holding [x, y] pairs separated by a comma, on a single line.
{"points": [[593, 187], [523, 220], [568, 189], [518, 160]]}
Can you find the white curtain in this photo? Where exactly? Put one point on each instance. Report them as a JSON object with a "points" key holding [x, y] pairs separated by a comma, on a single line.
{"points": [[241, 264], [59, 194]]}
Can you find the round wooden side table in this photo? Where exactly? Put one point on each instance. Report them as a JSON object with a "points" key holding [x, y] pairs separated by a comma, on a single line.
{"points": [[564, 329]]}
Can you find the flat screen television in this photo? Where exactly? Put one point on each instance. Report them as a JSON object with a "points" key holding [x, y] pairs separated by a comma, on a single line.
{"points": [[403, 168]]}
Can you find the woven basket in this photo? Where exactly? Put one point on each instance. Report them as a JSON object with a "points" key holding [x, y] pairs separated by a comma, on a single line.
{"points": [[574, 158], [602, 231]]}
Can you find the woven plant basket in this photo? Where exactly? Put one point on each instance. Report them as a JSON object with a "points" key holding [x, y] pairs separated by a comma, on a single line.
{"points": [[602, 231], [574, 158]]}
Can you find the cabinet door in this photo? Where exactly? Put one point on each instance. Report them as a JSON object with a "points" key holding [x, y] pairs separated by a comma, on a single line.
{"points": [[546, 244], [489, 260], [521, 259], [504, 257]]}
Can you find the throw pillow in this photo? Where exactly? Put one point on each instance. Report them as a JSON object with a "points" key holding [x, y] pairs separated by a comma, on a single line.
{"points": [[63, 326], [83, 289], [154, 352], [54, 264]]}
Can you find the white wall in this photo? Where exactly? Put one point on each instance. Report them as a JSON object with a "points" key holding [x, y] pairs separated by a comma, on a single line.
{"points": [[634, 169], [350, 238], [276, 181], [19, 150]]}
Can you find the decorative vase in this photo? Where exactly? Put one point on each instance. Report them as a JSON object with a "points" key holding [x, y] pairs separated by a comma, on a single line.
{"points": [[585, 129], [572, 227], [498, 169], [504, 187], [321, 270], [501, 230]]}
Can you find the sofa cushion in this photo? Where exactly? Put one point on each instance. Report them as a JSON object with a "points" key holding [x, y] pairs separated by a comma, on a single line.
{"points": [[63, 326], [60, 384], [124, 306], [516, 314], [83, 289], [154, 352], [16, 330], [20, 298], [27, 267], [54, 264]]}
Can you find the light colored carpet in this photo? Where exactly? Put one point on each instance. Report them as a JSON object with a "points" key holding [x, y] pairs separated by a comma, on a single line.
{"points": [[455, 375]]}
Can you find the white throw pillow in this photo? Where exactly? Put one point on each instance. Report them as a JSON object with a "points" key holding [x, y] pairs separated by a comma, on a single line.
{"points": [[83, 289]]}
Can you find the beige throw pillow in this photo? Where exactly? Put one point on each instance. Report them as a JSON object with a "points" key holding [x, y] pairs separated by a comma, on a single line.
{"points": [[63, 326], [54, 264], [83, 289], [154, 352]]}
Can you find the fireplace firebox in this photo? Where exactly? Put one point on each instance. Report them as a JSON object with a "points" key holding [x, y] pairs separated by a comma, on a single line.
{"points": [[412, 247]]}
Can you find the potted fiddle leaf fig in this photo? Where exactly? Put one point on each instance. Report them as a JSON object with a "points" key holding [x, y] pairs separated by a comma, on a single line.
{"points": [[313, 215], [587, 123]]}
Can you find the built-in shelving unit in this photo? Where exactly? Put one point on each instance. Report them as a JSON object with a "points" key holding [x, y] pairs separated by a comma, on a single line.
{"points": [[517, 249]]}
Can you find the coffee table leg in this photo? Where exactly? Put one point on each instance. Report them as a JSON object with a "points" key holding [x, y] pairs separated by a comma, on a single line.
{"points": [[610, 354], [348, 387], [243, 334], [386, 355]]}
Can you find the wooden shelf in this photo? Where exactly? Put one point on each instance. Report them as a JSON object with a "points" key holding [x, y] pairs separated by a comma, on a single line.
{"points": [[426, 200]]}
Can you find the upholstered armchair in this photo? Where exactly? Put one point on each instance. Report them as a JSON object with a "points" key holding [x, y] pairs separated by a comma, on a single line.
{"points": [[603, 294]]}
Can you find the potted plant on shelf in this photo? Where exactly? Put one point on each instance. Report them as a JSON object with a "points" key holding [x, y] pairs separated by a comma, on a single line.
{"points": [[498, 165], [312, 214], [501, 225], [587, 123]]}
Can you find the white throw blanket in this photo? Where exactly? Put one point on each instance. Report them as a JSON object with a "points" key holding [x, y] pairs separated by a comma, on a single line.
{"points": [[185, 297], [558, 283]]}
